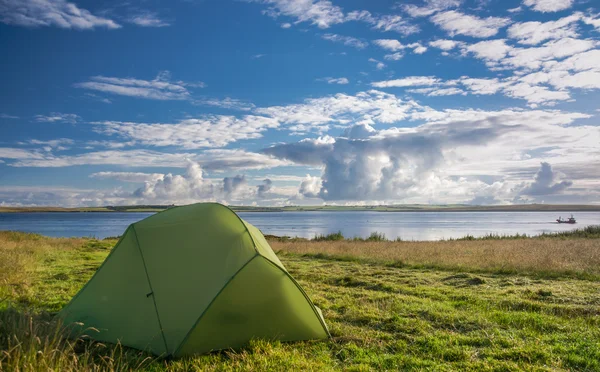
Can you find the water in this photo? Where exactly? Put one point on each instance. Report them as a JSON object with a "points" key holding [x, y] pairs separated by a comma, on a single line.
{"points": [[407, 225]]}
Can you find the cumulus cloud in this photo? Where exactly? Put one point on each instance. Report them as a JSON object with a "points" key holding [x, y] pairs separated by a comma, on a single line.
{"points": [[58, 13], [264, 188], [193, 186], [433, 159], [546, 182], [160, 88], [310, 187], [457, 23]]}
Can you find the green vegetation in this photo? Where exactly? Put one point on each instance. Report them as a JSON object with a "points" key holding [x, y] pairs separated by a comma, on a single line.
{"points": [[329, 237], [588, 232], [389, 306]]}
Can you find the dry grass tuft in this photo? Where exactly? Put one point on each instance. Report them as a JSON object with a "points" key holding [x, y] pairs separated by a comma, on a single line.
{"points": [[542, 256], [37, 342]]}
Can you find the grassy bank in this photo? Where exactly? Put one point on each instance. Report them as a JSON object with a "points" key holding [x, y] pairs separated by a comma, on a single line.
{"points": [[512, 304]]}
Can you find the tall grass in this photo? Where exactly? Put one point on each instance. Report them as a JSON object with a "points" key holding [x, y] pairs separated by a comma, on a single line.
{"points": [[37, 342], [541, 256]]}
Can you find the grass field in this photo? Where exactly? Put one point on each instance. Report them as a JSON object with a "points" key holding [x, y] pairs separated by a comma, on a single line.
{"points": [[511, 304]]}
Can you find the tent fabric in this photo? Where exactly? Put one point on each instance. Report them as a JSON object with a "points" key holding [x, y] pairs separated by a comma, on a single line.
{"points": [[190, 280]]}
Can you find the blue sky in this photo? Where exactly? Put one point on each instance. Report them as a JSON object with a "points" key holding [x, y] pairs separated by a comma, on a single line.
{"points": [[275, 102]]}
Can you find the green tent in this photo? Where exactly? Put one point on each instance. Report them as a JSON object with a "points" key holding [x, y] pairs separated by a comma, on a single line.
{"points": [[190, 280]]}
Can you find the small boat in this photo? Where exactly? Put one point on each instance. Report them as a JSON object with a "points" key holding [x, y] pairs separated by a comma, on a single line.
{"points": [[568, 220]]}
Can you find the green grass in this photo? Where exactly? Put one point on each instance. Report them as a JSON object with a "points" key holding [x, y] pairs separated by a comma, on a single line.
{"points": [[381, 316]]}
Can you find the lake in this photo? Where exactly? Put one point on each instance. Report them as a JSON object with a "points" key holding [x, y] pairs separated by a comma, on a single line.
{"points": [[407, 225]]}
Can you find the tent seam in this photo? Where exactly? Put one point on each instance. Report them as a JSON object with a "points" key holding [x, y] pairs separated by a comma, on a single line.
{"points": [[162, 332], [211, 302], [245, 227], [312, 305], [97, 270]]}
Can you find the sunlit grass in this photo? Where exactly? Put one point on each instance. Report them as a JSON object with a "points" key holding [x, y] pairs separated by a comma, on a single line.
{"points": [[389, 305]]}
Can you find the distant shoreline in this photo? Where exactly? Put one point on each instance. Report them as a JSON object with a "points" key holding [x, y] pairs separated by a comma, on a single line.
{"points": [[328, 208]]}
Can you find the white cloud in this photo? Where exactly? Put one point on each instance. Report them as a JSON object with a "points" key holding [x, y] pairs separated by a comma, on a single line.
{"points": [[394, 57], [525, 88], [500, 56], [456, 23], [214, 160], [548, 5], [410, 81], [445, 44], [384, 23], [160, 88], [341, 109], [546, 182], [592, 21], [15, 153], [346, 40], [395, 46], [331, 80], [59, 13], [130, 158], [395, 23], [148, 19], [535, 32], [418, 48], [322, 13], [449, 158], [286, 25], [237, 159], [6, 116], [193, 186], [59, 144], [310, 186], [134, 177], [208, 131], [378, 64], [390, 44], [226, 103], [431, 6], [57, 117], [446, 92]]}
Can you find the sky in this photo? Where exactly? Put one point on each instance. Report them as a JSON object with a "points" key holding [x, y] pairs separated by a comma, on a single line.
{"points": [[299, 102]]}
